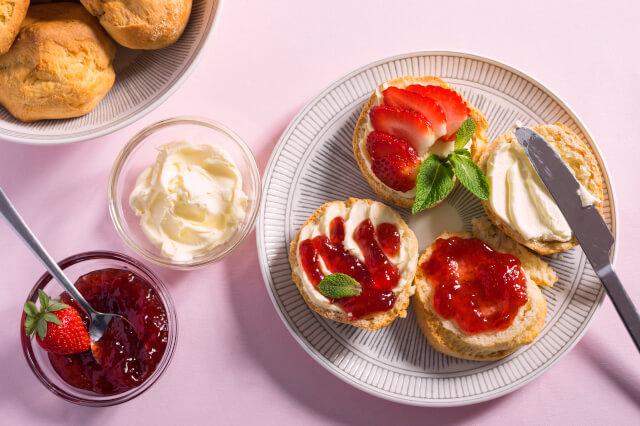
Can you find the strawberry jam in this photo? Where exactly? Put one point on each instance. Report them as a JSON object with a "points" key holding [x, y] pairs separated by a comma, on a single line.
{"points": [[120, 292], [377, 275], [478, 287]]}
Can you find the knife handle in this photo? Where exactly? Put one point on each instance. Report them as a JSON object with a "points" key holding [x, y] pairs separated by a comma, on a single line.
{"points": [[622, 302]]}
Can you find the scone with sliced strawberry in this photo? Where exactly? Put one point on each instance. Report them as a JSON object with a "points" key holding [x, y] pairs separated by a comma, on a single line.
{"points": [[413, 119]]}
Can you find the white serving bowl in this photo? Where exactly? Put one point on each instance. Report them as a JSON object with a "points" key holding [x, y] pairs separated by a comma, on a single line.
{"points": [[144, 79]]}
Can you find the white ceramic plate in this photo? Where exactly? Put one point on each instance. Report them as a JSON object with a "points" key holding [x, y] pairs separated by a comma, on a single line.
{"points": [[144, 79], [313, 163]]}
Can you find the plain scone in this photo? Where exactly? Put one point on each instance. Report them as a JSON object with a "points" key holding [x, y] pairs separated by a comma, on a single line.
{"points": [[59, 65], [12, 13], [142, 24], [491, 345], [370, 322], [576, 155], [479, 140]]}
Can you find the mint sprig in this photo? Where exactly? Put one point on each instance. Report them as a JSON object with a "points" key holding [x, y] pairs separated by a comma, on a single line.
{"points": [[434, 182], [435, 177], [336, 286]]}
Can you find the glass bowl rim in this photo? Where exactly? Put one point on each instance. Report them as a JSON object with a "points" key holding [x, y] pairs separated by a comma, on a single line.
{"points": [[118, 398], [125, 154]]}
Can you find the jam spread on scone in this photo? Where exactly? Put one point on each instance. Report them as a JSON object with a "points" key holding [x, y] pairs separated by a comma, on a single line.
{"points": [[408, 127], [377, 275], [478, 287]]}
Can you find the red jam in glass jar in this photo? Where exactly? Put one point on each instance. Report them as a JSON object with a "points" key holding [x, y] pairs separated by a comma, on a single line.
{"points": [[122, 292]]}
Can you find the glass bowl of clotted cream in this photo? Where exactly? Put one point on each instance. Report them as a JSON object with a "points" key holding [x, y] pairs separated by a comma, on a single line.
{"points": [[184, 192]]}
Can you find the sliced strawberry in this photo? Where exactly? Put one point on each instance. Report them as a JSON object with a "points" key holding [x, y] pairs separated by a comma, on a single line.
{"points": [[409, 126], [413, 101], [380, 144], [396, 172], [454, 107]]}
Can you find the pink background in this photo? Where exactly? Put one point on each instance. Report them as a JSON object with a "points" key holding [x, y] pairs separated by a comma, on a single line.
{"points": [[236, 362]]}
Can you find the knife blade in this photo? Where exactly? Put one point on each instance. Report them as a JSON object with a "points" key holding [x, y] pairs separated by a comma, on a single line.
{"points": [[587, 224]]}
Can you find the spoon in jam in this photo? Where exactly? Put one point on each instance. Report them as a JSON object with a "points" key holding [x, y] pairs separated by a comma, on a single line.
{"points": [[114, 343]]}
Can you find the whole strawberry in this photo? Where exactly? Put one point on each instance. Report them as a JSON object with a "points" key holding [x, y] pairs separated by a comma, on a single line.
{"points": [[58, 327]]}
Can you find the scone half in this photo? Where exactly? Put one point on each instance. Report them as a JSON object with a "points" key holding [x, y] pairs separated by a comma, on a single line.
{"points": [[575, 154], [364, 127], [355, 212], [446, 336]]}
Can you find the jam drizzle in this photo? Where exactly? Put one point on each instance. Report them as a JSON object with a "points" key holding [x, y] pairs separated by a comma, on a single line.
{"points": [[378, 276], [478, 287]]}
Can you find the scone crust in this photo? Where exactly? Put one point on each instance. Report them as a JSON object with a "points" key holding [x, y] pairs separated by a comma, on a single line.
{"points": [[453, 343], [142, 24], [577, 156], [479, 140], [59, 65], [12, 13], [369, 322]]}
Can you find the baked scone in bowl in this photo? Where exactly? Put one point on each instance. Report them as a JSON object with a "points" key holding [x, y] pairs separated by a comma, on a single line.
{"points": [[143, 79], [369, 242], [520, 205], [403, 122], [477, 294]]}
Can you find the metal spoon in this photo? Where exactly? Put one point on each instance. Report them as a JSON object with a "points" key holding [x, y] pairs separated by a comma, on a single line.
{"points": [[98, 321]]}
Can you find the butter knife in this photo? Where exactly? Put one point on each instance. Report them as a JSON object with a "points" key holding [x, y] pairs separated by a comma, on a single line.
{"points": [[587, 225]]}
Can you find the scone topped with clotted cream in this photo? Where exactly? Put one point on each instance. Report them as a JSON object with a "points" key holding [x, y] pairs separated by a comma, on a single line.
{"points": [[520, 204]]}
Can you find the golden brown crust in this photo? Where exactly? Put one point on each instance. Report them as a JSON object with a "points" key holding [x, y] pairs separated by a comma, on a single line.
{"points": [[12, 13], [370, 322], [360, 133], [577, 156], [59, 66], [484, 346], [142, 24]]}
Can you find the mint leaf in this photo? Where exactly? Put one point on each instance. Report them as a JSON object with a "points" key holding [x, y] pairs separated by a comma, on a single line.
{"points": [[434, 182], [470, 175], [336, 286], [464, 133], [463, 151]]}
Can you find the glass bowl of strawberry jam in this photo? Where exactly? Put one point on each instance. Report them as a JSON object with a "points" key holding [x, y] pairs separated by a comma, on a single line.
{"points": [[111, 283]]}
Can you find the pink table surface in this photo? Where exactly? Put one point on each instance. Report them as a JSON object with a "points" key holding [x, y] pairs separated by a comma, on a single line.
{"points": [[236, 363]]}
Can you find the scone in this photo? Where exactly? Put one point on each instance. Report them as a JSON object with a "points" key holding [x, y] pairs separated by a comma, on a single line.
{"points": [[404, 121], [59, 66], [520, 204], [142, 24], [366, 240], [475, 299], [12, 13]]}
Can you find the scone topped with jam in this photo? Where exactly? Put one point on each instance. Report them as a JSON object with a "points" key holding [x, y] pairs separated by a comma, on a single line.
{"points": [[477, 295], [354, 262], [407, 121]]}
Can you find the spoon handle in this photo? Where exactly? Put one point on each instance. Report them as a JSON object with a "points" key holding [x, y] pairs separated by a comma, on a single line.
{"points": [[15, 221]]}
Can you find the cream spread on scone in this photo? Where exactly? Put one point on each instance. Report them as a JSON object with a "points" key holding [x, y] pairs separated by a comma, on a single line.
{"points": [[520, 198], [359, 211], [190, 201]]}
